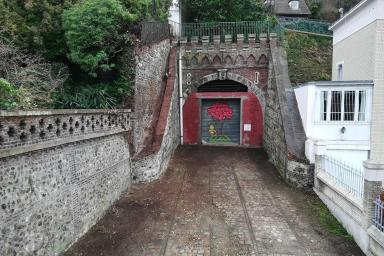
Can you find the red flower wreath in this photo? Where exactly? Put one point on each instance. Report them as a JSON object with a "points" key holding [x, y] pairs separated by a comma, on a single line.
{"points": [[220, 111]]}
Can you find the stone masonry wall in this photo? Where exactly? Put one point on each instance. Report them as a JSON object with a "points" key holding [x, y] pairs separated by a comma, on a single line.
{"points": [[150, 82], [284, 136], [151, 166], [59, 172]]}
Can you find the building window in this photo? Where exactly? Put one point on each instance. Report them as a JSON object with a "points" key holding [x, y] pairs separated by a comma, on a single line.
{"points": [[362, 104], [323, 105], [343, 105], [349, 105], [336, 106], [294, 4], [340, 71]]}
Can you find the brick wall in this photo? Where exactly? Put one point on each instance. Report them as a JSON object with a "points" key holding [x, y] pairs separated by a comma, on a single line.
{"points": [[59, 172]]}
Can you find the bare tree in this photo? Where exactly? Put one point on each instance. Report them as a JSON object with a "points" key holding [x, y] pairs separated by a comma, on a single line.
{"points": [[31, 74]]}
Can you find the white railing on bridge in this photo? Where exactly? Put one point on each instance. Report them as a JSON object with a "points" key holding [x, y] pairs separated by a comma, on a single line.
{"points": [[343, 174]]}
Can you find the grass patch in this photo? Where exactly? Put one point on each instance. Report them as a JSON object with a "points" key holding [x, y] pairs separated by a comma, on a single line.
{"points": [[309, 57], [327, 220]]}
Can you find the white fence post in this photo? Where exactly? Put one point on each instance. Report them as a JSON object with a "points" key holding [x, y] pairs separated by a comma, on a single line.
{"points": [[319, 149]]}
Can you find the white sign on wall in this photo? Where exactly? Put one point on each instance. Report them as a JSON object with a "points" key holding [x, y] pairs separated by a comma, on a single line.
{"points": [[247, 127]]}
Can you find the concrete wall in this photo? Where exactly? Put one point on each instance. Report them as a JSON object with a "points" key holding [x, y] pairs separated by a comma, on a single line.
{"points": [[59, 172], [359, 42], [346, 208], [360, 16], [150, 82], [360, 64], [377, 132]]}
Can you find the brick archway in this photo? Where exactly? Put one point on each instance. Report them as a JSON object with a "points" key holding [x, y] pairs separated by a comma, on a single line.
{"points": [[251, 112], [224, 75]]}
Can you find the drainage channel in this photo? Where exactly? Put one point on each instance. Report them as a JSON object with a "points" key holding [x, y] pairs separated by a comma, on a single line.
{"points": [[244, 206]]}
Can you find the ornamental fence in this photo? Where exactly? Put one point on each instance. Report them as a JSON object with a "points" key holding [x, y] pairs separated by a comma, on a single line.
{"points": [[256, 28], [221, 29], [154, 31], [349, 177], [378, 219], [316, 27]]}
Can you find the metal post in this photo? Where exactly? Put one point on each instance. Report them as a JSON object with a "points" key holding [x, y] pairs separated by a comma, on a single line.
{"points": [[181, 98]]}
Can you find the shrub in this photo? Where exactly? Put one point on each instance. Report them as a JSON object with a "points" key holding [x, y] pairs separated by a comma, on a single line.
{"points": [[218, 10], [35, 25], [93, 33], [95, 96], [8, 95]]}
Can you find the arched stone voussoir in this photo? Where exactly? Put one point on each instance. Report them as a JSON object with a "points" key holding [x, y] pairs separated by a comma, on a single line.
{"points": [[252, 87]]}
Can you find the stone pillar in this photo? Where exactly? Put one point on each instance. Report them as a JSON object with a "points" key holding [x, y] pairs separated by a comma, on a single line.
{"points": [[184, 43], [205, 41], [373, 180], [273, 40], [263, 41], [194, 41], [252, 41], [319, 149], [216, 41], [228, 41], [240, 41]]}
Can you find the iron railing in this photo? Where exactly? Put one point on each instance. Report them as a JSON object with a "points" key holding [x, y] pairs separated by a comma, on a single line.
{"points": [[221, 29], [307, 26], [154, 31], [349, 177], [378, 218]]}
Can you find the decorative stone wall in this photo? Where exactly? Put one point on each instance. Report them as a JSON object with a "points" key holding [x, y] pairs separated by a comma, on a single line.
{"points": [[150, 81], [246, 63], [59, 172]]}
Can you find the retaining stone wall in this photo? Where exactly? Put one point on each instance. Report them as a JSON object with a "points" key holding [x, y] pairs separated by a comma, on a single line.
{"points": [[150, 82], [152, 166], [54, 188], [284, 136]]}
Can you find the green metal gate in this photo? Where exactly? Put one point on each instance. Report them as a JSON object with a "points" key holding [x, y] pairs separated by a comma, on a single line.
{"points": [[220, 121]]}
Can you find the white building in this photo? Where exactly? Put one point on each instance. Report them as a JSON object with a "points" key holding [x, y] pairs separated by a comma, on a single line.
{"points": [[358, 64], [175, 18], [344, 120], [338, 113]]}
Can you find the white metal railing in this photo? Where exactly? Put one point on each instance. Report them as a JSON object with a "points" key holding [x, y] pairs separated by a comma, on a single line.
{"points": [[378, 219], [349, 177]]}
